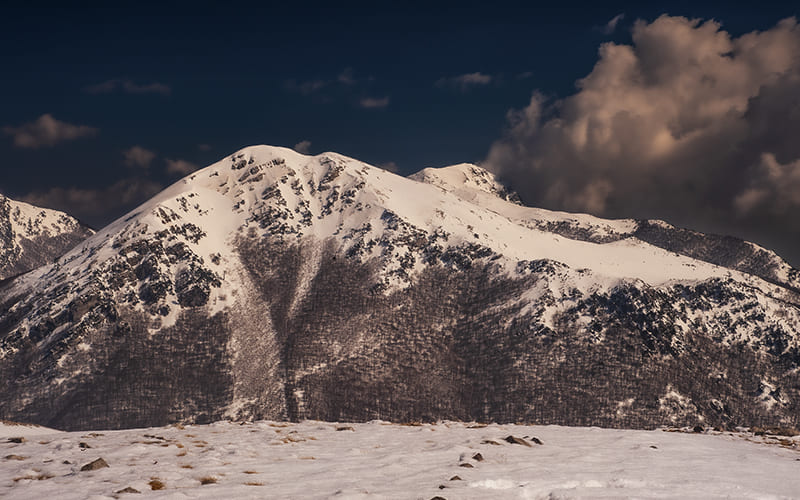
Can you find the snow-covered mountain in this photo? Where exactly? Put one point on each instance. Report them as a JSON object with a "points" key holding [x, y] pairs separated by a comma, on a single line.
{"points": [[282, 286], [32, 236]]}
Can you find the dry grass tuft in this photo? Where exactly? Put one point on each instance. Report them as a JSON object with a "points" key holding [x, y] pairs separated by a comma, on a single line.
{"points": [[187, 466], [250, 472], [208, 480], [253, 483], [181, 454]]}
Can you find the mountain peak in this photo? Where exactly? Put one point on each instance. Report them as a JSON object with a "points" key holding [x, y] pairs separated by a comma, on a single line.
{"points": [[466, 180], [32, 236]]}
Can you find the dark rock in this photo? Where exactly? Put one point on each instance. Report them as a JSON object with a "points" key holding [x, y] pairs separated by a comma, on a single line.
{"points": [[16, 440], [15, 457], [94, 465], [128, 490], [516, 440], [455, 478], [467, 465], [536, 440], [698, 429], [477, 457], [84, 445]]}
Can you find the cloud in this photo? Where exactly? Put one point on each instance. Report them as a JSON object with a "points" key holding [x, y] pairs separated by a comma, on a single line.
{"points": [[128, 87], [303, 147], [466, 81], [94, 205], [138, 156], [611, 26], [306, 88], [47, 131], [181, 167], [373, 103], [346, 77], [688, 123], [774, 187], [390, 166]]}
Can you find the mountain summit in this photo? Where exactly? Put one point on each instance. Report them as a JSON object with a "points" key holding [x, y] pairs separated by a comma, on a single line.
{"points": [[32, 236], [282, 286]]}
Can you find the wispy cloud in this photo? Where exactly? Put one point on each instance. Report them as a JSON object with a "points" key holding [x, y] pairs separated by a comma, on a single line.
{"points": [[303, 147], [138, 156], [466, 81], [611, 26], [181, 167], [306, 88], [128, 87], [390, 166], [47, 131], [346, 77], [374, 103], [95, 205]]}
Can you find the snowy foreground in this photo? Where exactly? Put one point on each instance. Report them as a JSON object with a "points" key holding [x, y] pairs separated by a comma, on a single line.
{"points": [[381, 460]]}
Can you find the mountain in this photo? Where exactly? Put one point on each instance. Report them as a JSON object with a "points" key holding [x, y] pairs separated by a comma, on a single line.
{"points": [[273, 285], [32, 236]]}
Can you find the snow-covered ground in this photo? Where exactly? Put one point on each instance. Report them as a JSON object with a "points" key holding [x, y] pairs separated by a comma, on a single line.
{"points": [[379, 460]]}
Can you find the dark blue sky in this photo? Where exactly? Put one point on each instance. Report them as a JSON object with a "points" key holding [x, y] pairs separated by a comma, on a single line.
{"points": [[194, 82]]}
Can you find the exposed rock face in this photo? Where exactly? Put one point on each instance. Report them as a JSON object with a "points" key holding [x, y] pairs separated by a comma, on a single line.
{"points": [[31, 236], [275, 285]]}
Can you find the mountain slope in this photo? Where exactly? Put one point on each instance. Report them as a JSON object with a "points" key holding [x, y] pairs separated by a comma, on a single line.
{"points": [[277, 285], [31, 236]]}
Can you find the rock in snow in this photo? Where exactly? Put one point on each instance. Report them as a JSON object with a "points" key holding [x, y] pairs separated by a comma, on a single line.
{"points": [[273, 285]]}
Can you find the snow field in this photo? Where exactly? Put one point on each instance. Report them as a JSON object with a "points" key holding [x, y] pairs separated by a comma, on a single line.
{"points": [[320, 460]]}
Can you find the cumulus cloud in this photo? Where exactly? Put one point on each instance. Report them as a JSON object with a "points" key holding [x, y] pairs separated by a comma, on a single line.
{"points": [[372, 103], [303, 147], [466, 81], [129, 87], [94, 205], [775, 187], [47, 131], [181, 167], [138, 156], [688, 123]]}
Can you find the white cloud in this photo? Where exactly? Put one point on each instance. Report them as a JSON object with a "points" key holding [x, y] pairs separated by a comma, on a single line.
{"points": [[466, 81], [138, 156], [128, 87], [181, 167], [47, 131], [303, 147], [678, 125], [373, 103]]}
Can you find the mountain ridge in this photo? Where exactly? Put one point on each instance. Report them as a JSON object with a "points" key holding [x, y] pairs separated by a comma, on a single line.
{"points": [[277, 285]]}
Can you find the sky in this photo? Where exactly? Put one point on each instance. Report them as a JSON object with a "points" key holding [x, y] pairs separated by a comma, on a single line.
{"points": [[684, 111]]}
